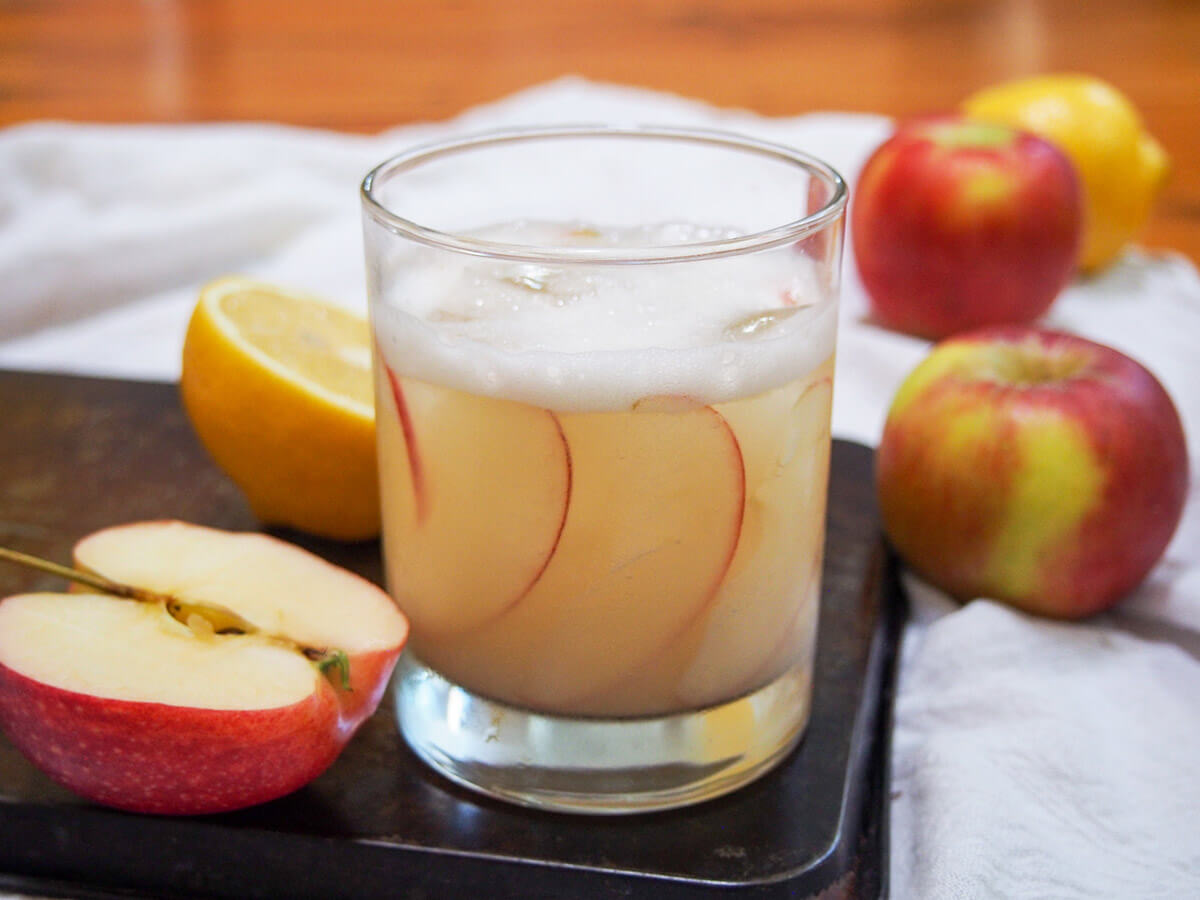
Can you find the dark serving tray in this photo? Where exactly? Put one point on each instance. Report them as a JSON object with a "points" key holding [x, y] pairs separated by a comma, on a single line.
{"points": [[77, 454]]}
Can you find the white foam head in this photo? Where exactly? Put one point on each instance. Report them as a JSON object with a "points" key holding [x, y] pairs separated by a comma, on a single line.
{"points": [[589, 337]]}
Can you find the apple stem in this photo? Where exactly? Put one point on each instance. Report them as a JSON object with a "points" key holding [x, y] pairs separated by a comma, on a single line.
{"points": [[99, 582], [222, 619], [333, 659]]}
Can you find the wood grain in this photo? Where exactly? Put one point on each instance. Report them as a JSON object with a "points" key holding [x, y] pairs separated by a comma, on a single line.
{"points": [[364, 65]]}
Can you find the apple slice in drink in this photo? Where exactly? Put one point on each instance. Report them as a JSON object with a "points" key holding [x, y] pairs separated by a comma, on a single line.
{"points": [[768, 587], [123, 703], [654, 517], [797, 641], [783, 436], [475, 493]]}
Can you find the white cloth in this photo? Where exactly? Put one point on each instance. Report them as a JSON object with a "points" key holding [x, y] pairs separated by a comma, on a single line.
{"points": [[1032, 759]]}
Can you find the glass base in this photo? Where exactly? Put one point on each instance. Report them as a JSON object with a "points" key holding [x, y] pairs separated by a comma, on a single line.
{"points": [[599, 766]]}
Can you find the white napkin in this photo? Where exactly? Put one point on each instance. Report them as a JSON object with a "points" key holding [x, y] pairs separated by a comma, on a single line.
{"points": [[1032, 759]]}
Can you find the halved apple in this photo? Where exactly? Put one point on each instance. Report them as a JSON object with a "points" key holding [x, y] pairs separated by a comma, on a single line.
{"points": [[475, 493], [122, 702], [655, 513]]}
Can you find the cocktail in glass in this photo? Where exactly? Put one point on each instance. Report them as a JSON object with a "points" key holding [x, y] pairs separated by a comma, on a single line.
{"points": [[604, 374]]}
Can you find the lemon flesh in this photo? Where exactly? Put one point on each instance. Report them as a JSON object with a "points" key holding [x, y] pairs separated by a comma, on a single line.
{"points": [[278, 388]]}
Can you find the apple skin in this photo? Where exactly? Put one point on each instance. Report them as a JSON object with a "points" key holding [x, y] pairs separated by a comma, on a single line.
{"points": [[175, 760], [1032, 467], [155, 758], [958, 225]]}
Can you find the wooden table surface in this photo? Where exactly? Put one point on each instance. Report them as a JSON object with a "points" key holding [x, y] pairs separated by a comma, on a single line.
{"points": [[367, 64]]}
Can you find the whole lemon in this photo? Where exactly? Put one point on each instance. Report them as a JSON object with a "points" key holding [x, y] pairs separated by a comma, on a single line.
{"points": [[1122, 168]]}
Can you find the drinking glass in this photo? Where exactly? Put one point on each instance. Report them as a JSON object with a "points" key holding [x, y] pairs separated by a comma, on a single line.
{"points": [[604, 372]]}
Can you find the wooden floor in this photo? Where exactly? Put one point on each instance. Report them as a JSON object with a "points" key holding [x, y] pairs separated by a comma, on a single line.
{"points": [[367, 64]]}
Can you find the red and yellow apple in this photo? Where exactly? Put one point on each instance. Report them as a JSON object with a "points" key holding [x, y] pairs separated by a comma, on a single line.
{"points": [[959, 224], [1032, 467], [208, 693]]}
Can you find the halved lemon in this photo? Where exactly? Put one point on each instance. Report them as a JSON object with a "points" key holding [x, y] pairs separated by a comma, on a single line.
{"points": [[278, 388]]}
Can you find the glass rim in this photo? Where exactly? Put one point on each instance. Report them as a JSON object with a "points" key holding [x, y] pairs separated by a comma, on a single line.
{"points": [[785, 233]]}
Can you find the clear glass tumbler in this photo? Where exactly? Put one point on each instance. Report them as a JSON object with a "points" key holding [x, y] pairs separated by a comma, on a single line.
{"points": [[604, 370]]}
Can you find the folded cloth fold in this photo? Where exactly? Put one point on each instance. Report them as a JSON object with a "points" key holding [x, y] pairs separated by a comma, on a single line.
{"points": [[1032, 758], [1041, 759]]}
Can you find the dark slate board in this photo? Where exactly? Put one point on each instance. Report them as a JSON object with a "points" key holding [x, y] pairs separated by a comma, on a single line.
{"points": [[77, 454]]}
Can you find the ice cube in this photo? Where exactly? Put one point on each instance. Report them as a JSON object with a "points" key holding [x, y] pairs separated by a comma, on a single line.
{"points": [[755, 324], [531, 277]]}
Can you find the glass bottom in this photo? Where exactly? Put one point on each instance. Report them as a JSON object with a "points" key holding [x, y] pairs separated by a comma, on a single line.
{"points": [[599, 766]]}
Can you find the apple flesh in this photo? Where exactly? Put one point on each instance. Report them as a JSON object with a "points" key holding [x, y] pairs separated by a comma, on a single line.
{"points": [[1032, 467], [742, 640], [762, 619], [440, 454], [649, 535], [126, 705], [959, 224]]}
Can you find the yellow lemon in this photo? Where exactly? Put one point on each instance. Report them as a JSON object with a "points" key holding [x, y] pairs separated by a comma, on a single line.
{"points": [[1121, 167], [278, 387]]}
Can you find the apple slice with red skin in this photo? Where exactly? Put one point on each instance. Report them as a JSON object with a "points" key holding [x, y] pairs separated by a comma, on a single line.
{"points": [[122, 703], [475, 494], [655, 512], [784, 439], [770, 584]]}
